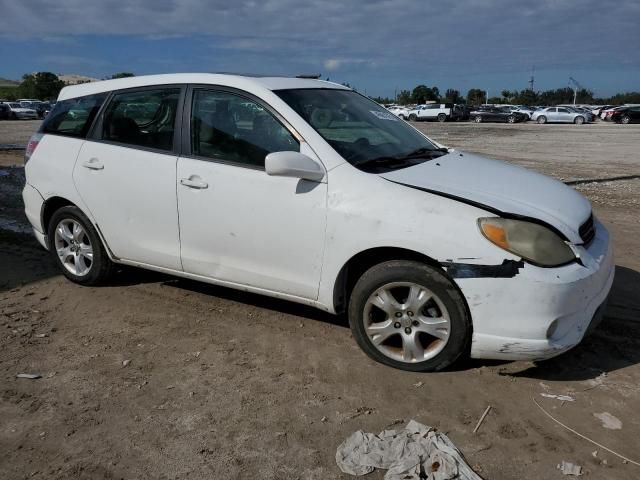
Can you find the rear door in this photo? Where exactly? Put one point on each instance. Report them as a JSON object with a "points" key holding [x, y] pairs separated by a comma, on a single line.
{"points": [[239, 225], [126, 174]]}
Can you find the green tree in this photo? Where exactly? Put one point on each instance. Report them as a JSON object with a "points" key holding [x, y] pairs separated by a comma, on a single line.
{"points": [[475, 96], [41, 85], [404, 97], [122, 75], [27, 89], [424, 94], [452, 96]]}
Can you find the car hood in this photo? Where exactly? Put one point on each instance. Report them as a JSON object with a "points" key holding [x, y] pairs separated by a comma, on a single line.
{"points": [[23, 110], [499, 187]]}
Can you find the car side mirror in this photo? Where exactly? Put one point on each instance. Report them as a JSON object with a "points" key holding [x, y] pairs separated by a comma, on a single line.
{"points": [[293, 164]]}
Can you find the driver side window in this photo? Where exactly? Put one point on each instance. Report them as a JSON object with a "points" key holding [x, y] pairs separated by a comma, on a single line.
{"points": [[232, 128]]}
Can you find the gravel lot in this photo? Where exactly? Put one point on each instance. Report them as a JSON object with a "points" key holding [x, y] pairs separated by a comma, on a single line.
{"points": [[224, 384]]}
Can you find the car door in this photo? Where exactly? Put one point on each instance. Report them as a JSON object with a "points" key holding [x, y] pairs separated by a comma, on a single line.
{"points": [[126, 173], [564, 115], [239, 225]]}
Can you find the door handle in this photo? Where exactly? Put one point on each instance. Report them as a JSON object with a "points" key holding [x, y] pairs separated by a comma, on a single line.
{"points": [[194, 182], [93, 164]]}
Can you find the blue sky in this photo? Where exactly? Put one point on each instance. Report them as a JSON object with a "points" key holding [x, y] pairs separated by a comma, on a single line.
{"points": [[376, 45]]}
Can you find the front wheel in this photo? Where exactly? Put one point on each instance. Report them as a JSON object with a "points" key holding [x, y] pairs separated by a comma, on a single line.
{"points": [[578, 120], [477, 119], [76, 247], [542, 119], [410, 316], [626, 119], [413, 117], [511, 119], [442, 118]]}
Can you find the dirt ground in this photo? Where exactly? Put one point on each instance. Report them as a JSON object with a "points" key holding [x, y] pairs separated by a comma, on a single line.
{"points": [[156, 377]]}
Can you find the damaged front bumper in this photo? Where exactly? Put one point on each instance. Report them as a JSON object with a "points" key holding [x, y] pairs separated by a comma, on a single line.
{"points": [[539, 313]]}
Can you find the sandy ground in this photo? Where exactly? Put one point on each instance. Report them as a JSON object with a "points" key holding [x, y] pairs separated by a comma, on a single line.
{"points": [[221, 384]]}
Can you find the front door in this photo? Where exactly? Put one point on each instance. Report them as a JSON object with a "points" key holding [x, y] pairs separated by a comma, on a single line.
{"points": [[126, 175], [238, 224]]}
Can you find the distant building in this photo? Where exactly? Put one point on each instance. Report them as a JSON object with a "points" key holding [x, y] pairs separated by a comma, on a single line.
{"points": [[73, 79]]}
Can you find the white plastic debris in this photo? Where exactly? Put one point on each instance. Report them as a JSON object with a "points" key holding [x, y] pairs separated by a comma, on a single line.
{"points": [[126, 363], [568, 468], [562, 398], [30, 376], [416, 453]]}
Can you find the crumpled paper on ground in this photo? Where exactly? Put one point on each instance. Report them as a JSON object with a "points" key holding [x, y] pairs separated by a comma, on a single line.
{"points": [[416, 453]]}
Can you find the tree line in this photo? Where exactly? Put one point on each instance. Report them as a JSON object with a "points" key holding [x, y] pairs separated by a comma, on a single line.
{"points": [[47, 86], [42, 86], [476, 96]]}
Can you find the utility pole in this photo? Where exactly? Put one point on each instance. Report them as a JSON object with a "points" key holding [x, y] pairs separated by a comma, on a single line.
{"points": [[576, 86], [486, 97], [532, 78]]}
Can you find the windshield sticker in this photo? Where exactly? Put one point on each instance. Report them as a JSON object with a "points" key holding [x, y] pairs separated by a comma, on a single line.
{"points": [[384, 115]]}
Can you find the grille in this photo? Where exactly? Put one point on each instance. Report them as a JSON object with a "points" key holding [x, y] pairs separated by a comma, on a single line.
{"points": [[587, 230]]}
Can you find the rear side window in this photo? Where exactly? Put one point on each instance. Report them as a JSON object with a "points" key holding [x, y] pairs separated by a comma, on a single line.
{"points": [[73, 117], [144, 118]]}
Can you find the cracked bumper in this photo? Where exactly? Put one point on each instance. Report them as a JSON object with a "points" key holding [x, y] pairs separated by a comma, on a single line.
{"points": [[540, 312]]}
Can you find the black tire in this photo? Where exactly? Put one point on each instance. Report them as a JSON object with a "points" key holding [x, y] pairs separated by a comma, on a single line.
{"points": [[542, 119], [410, 271], [626, 119], [13, 116], [511, 119], [477, 119], [442, 117], [101, 265], [413, 117], [578, 120]]}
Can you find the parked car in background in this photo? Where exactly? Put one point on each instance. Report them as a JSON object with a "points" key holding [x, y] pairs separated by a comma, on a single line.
{"points": [[5, 111], [441, 112], [589, 117], [626, 115], [609, 112], [558, 115], [501, 262], [400, 111], [18, 112], [496, 114], [525, 110], [598, 110]]}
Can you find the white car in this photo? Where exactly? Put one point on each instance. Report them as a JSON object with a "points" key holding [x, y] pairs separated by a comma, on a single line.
{"points": [[18, 112], [305, 190], [560, 115], [441, 112], [402, 112]]}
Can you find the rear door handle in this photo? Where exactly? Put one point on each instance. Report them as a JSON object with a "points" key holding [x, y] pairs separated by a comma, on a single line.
{"points": [[194, 182], [93, 164]]}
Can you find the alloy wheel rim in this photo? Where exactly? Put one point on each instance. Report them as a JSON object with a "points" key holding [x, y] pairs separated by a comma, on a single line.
{"points": [[73, 247], [406, 322]]}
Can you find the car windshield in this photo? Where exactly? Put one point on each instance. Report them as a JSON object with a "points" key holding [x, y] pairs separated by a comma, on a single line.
{"points": [[366, 135], [15, 105]]}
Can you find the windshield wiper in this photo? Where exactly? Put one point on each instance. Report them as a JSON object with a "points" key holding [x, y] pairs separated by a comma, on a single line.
{"points": [[422, 152]]}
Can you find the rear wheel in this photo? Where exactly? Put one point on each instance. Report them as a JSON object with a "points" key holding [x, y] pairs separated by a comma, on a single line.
{"points": [[410, 316], [511, 119], [442, 117], [76, 247], [477, 119], [542, 119], [626, 119], [578, 120]]}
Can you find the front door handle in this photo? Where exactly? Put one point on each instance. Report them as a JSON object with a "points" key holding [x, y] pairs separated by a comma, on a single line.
{"points": [[93, 164], [194, 182]]}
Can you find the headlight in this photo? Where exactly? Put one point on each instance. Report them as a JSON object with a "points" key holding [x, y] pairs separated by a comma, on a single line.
{"points": [[528, 240]]}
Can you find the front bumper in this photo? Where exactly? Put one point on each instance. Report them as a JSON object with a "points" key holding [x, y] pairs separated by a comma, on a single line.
{"points": [[512, 316]]}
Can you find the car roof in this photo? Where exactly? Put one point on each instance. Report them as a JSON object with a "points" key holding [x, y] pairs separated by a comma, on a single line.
{"points": [[244, 82]]}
